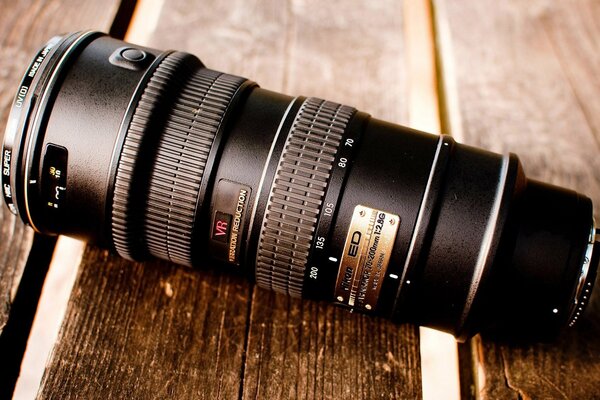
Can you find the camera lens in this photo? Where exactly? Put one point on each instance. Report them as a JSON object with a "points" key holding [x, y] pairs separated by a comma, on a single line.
{"points": [[155, 155]]}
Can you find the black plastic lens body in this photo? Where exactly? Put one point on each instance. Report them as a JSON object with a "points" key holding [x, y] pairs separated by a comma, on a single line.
{"points": [[155, 155]]}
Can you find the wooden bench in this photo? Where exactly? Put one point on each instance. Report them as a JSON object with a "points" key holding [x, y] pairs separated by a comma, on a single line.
{"points": [[504, 75]]}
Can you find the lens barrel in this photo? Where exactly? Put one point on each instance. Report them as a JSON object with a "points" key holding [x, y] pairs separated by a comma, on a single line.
{"points": [[155, 155]]}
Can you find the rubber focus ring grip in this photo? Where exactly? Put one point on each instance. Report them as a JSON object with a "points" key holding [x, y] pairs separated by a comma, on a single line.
{"points": [[161, 221]]}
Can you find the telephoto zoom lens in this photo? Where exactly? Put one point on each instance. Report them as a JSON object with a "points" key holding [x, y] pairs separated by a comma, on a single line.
{"points": [[155, 155]]}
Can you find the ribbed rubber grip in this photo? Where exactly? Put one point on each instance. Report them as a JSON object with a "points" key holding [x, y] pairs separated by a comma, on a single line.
{"points": [[297, 194], [166, 214], [127, 202], [183, 150]]}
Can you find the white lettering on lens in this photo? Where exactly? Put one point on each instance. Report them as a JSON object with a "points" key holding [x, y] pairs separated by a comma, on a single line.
{"points": [[47, 50], [7, 191], [328, 210], [237, 220], [21, 96], [320, 242], [6, 163], [35, 66]]}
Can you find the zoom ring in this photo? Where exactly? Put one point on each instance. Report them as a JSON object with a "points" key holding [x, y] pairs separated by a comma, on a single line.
{"points": [[183, 150], [297, 193]]}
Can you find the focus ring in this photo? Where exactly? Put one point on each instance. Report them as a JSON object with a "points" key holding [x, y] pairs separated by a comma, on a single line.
{"points": [[164, 155], [127, 204], [183, 150], [297, 193]]}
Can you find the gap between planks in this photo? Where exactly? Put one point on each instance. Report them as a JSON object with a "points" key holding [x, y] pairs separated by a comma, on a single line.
{"points": [[439, 351], [49, 316]]}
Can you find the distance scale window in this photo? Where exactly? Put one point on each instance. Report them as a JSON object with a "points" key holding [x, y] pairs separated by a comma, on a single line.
{"points": [[54, 176]]}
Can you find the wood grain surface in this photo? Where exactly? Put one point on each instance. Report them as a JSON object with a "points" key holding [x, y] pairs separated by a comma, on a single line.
{"points": [[523, 77], [24, 27], [146, 331], [157, 330]]}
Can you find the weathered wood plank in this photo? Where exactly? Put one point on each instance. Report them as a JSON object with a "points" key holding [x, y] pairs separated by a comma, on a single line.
{"points": [[523, 76], [151, 330], [24, 26], [304, 349], [33, 261], [344, 51], [109, 345]]}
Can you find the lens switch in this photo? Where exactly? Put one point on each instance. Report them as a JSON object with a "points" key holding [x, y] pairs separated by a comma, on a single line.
{"points": [[130, 58], [133, 55]]}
